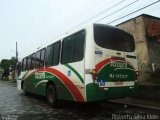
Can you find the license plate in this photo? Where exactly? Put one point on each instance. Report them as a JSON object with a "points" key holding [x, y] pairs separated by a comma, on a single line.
{"points": [[118, 83]]}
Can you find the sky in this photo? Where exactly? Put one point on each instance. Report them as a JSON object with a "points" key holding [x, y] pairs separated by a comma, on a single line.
{"points": [[33, 23]]}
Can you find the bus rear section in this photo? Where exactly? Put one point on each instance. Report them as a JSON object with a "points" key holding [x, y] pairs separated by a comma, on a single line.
{"points": [[115, 66]]}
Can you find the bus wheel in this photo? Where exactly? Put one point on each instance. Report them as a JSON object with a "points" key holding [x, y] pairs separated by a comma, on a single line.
{"points": [[51, 96]]}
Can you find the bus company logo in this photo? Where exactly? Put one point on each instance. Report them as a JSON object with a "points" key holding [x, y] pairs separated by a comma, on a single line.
{"points": [[98, 52], [40, 75], [118, 64]]}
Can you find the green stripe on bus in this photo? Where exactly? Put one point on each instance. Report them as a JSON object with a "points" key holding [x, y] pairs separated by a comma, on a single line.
{"points": [[78, 75]]}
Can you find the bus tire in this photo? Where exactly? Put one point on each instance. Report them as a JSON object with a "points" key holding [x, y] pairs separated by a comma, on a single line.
{"points": [[51, 95]]}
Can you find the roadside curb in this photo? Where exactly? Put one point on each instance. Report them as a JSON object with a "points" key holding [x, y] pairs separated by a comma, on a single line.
{"points": [[12, 81], [137, 105]]}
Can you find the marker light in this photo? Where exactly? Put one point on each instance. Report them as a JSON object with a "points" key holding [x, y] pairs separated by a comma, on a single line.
{"points": [[93, 72]]}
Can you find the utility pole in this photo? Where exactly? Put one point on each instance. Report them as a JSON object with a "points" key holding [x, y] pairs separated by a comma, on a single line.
{"points": [[16, 53], [15, 71]]}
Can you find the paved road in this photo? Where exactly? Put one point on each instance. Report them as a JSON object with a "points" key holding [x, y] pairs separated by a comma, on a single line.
{"points": [[15, 106]]}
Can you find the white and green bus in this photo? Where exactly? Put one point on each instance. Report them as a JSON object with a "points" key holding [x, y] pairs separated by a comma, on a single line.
{"points": [[97, 62]]}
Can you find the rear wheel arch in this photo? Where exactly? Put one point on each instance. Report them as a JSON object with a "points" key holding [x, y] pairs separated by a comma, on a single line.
{"points": [[23, 88], [50, 83]]}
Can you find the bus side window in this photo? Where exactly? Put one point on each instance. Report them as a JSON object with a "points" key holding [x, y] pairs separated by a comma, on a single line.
{"points": [[49, 55], [32, 61], [24, 64], [73, 48], [67, 49], [79, 46], [29, 62], [26, 68], [53, 54], [22, 67], [42, 59], [56, 53], [37, 59]]}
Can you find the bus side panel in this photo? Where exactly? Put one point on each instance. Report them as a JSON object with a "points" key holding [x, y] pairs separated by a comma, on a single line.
{"points": [[28, 81], [20, 80], [93, 92], [68, 80], [62, 92], [36, 83], [73, 81]]}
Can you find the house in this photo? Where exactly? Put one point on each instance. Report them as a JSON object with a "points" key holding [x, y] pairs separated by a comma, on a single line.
{"points": [[1, 72], [146, 31]]}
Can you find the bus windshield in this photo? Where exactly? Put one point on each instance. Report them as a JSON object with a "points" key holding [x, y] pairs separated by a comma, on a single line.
{"points": [[113, 38]]}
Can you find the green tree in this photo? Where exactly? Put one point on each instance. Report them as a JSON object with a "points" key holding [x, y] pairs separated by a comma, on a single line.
{"points": [[13, 61], [6, 64]]}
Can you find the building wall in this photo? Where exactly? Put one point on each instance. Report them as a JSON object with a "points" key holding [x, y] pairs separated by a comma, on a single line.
{"points": [[153, 41], [136, 27]]}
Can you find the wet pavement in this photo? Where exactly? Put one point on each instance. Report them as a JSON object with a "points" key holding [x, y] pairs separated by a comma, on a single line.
{"points": [[14, 105]]}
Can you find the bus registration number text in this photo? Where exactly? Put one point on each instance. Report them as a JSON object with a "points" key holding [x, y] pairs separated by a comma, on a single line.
{"points": [[118, 83]]}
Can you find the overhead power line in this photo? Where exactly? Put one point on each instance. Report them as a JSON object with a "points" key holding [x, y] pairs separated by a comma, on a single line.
{"points": [[111, 7], [134, 11], [102, 12], [88, 6], [118, 10], [122, 1]]}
